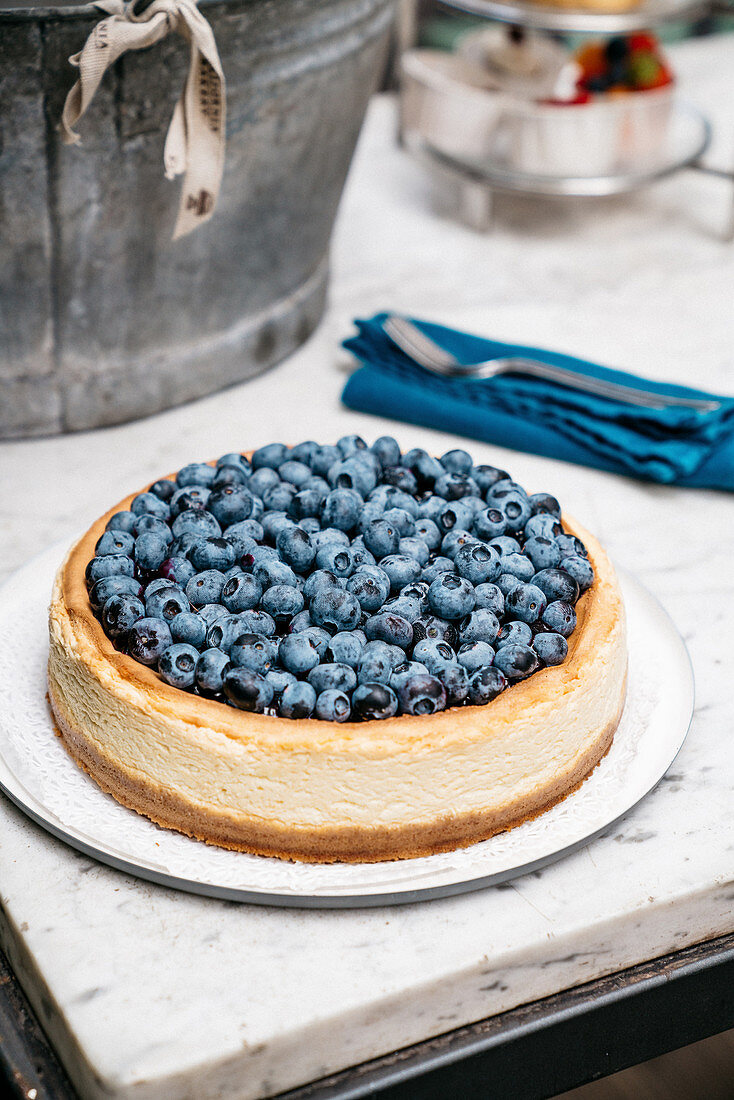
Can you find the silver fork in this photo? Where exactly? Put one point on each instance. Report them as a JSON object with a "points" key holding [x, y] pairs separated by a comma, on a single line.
{"points": [[427, 353]]}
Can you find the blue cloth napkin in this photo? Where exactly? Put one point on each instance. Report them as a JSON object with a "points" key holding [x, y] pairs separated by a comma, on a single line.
{"points": [[672, 446]]}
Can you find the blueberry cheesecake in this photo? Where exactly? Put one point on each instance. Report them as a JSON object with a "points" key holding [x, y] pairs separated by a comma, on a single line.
{"points": [[337, 652]]}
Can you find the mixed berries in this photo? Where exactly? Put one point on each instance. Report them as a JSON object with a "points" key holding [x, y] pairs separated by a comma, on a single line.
{"points": [[622, 64], [341, 583]]}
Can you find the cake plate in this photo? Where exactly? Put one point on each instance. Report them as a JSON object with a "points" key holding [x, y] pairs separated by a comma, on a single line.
{"points": [[44, 782], [649, 13]]}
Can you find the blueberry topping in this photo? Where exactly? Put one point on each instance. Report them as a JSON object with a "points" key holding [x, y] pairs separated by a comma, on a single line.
{"points": [[340, 583]]}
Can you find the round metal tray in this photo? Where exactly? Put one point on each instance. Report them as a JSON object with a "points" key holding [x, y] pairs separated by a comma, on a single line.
{"points": [[40, 777], [688, 138], [544, 17]]}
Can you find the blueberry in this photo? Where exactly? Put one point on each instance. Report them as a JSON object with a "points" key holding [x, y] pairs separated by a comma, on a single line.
{"points": [[557, 584], [455, 486], [560, 618], [341, 509], [150, 504], [205, 587], [294, 472], [435, 629], [477, 562], [234, 458], [336, 559], [329, 536], [310, 525], [455, 680], [295, 548], [475, 655], [323, 458], [425, 467], [370, 585], [115, 585], [188, 627], [377, 662], [270, 572], [157, 585], [321, 580], [224, 632], [387, 450], [320, 639], [298, 700], [525, 602], [490, 523], [543, 552], [298, 654], [428, 531], [421, 694], [544, 525], [211, 613], [515, 507], [177, 665], [257, 622], [271, 456], [350, 444], [177, 569], [455, 515], [403, 672], [402, 520], [407, 607], [247, 689], [431, 507], [455, 540], [197, 522], [580, 569], [401, 570], [481, 625], [490, 596], [335, 676], [282, 602], [211, 552], [299, 622], [569, 544], [165, 488], [360, 554], [417, 590], [381, 538], [353, 474], [154, 525], [192, 497], [253, 651], [545, 504], [120, 612], [345, 648], [146, 640], [374, 701], [279, 680], [210, 670], [390, 628], [196, 473], [306, 503], [552, 648], [517, 662], [433, 654], [115, 542], [506, 544], [451, 596], [457, 462], [121, 521], [231, 504], [335, 609], [278, 498], [517, 565], [241, 592], [506, 582], [333, 706], [487, 476], [166, 603], [438, 566], [415, 548], [514, 633], [110, 565], [485, 685]]}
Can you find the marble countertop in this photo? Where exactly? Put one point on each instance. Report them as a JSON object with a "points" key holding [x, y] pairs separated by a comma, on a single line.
{"points": [[151, 993]]}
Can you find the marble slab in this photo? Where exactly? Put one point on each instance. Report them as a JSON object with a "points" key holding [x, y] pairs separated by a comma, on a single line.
{"points": [[150, 994]]}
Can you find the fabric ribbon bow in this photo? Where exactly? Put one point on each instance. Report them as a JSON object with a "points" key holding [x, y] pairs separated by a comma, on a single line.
{"points": [[195, 140]]}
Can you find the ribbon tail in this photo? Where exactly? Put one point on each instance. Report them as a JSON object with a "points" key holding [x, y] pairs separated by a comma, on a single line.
{"points": [[174, 150]]}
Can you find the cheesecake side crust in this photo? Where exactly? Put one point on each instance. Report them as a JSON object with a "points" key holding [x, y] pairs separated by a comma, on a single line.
{"points": [[142, 741]]}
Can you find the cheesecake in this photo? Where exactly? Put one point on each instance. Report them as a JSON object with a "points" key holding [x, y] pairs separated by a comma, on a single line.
{"points": [[413, 780]]}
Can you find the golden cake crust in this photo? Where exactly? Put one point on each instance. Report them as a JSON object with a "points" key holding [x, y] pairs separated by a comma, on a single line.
{"points": [[323, 791]]}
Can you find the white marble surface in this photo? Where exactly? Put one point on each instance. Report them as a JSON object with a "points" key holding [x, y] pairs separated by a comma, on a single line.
{"points": [[151, 993]]}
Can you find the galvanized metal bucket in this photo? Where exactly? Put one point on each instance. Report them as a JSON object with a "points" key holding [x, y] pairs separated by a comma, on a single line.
{"points": [[103, 318]]}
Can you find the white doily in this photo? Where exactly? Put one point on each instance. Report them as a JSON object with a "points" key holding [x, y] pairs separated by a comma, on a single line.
{"points": [[37, 773]]}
